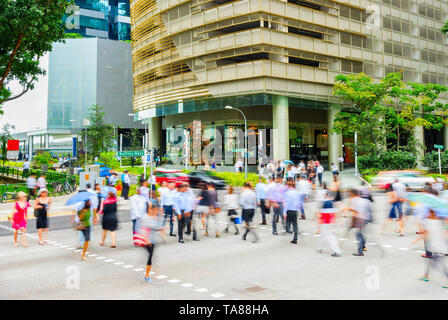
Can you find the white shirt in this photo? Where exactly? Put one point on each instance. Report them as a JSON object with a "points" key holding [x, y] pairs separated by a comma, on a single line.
{"points": [[41, 183], [334, 168], [26, 165], [303, 186], [360, 205], [30, 182], [437, 240], [126, 179], [138, 206], [341, 159], [231, 201], [320, 169], [400, 189], [168, 197]]}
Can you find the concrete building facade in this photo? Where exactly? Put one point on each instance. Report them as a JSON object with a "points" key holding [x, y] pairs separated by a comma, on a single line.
{"points": [[276, 60]]}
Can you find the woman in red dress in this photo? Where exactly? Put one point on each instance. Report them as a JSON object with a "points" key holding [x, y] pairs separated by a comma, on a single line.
{"points": [[19, 217]]}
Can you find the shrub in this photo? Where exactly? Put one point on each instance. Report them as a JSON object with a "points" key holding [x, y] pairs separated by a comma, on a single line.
{"points": [[236, 179], [109, 160], [390, 160], [431, 161]]}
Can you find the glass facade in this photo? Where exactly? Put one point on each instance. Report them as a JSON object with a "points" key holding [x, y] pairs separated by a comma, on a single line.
{"points": [[100, 18]]}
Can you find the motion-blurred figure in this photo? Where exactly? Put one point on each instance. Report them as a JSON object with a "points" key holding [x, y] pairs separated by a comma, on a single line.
{"points": [[248, 203]]}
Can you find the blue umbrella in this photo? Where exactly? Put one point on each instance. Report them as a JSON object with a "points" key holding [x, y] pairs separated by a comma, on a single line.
{"points": [[433, 203], [288, 161], [79, 197]]}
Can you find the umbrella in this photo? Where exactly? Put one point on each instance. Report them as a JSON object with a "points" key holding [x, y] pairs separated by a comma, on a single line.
{"points": [[288, 161], [79, 197], [432, 202]]}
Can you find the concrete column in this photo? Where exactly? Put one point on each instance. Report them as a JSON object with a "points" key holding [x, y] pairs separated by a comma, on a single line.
{"points": [[334, 140], [154, 132], [420, 137], [280, 123]]}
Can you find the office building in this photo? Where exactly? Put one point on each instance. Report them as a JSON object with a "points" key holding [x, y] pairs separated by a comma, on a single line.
{"points": [[276, 60]]}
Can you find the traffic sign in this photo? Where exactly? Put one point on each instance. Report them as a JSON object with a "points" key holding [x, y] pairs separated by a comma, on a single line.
{"points": [[148, 157], [438, 146], [131, 153]]}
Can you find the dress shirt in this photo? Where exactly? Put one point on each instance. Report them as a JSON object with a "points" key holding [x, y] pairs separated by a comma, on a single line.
{"points": [[261, 189], [183, 202], [276, 192], [248, 199], [292, 200], [168, 197]]}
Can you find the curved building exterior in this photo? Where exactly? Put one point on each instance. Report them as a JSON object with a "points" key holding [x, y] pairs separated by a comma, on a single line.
{"points": [[276, 60]]}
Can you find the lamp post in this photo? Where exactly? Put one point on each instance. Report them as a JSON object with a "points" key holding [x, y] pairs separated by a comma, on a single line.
{"points": [[245, 138], [73, 144]]}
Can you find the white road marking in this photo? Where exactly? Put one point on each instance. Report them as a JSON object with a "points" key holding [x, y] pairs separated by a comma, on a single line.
{"points": [[404, 249], [118, 263], [128, 266], [174, 281], [201, 290], [92, 255], [162, 276], [109, 260], [218, 295], [386, 246], [99, 258], [137, 269], [343, 239], [187, 285], [305, 233], [64, 246], [77, 250], [371, 243]]}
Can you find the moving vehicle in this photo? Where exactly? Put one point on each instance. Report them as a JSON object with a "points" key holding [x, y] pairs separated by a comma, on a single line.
{"points": [[415, 180], [170, 175], [197, 177]]}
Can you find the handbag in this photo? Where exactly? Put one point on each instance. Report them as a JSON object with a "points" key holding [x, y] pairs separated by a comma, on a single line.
{"points": [[36, 213], [80, 226]]}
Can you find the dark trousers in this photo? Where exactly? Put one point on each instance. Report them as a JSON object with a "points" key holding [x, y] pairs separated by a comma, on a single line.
{"points": [[319, 176], [263, 210], [183, 222], [291, 218], [278, 212], [125, 191], [30, 193], [150, 250], [168, 214], [360, 237]]}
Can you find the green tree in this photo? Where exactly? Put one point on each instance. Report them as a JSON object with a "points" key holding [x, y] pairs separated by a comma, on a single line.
{"points": [[5, 135], [135, 137], [42, 160], [73, 36], [28, 29], [445, 28], [368, 111], [100, 135]]}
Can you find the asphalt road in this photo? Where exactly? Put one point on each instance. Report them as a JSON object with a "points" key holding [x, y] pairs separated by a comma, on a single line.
{"points": [[218, 268]]}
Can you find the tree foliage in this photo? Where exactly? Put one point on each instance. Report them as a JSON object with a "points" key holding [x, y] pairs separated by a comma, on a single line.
{"points": [[135, 137], [100, 135], [387, 109], [28, 29], [5, 135]]}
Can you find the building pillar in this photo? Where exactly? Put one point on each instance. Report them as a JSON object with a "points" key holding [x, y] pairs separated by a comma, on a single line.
{"points": [[419, 135], [154, 133], [280, 123], [334, 140]]}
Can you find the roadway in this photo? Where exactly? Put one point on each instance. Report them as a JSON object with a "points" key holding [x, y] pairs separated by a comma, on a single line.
{"points": [[218, 268]]}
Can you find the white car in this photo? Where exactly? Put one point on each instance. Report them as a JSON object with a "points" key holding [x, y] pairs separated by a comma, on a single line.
{"points": [[414, 180]]}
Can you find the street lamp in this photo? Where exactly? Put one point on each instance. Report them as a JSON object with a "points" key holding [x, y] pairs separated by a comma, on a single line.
{"points": [[245, 138]]}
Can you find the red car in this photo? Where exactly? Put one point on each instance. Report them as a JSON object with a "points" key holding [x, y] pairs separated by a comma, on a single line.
{"points": [[169, 175]]}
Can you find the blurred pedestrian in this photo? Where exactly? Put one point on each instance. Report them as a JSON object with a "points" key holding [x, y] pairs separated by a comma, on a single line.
{"points": [[231, 205], [437, 243], [327, 221], [126, 182], [319, 171], [19, 218], [260, 190], [110, 220], [84, 225], [167, 198], [275, 195], [41, 182], [31, 185], [304, 188], [41, 208], [334, 169], [184, 205], [248, 203], [291, 207], [395, 208], [151, 229], [213, 209], [139, 207], [358, 208], [203, 203]]}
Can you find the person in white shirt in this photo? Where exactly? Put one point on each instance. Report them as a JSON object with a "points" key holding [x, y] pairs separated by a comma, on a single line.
{"points": [[41, 182], [31, 185], [304, 188], [271, 170], [320, 171], [26, 168], [334, 169], [167, 202], [341, 162], [126, 181], [248, 203], [231, 205], [139, 206]]}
